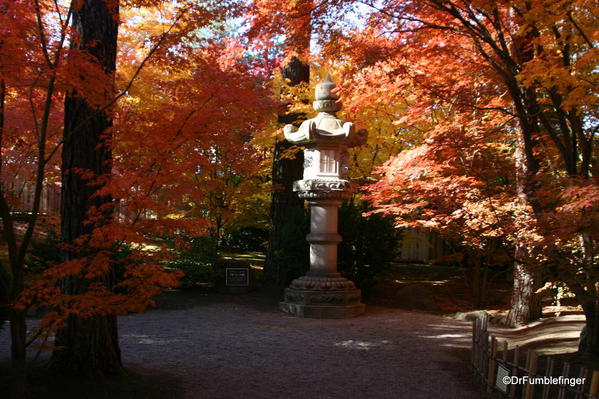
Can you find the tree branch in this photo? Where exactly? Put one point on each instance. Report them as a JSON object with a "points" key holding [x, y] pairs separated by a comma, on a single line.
{"points": [[579, 29], [122, 93], [40, 28]]}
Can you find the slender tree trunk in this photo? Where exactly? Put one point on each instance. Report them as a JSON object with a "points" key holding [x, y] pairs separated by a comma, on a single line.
{"points": [[11, 285], [285, 203], [479, 279], [2, 101], [88, 346], [18, 326], [18, 331]]}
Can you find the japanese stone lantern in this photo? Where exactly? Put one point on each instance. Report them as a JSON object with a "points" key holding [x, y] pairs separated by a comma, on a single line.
{"points": [[323, 292]]}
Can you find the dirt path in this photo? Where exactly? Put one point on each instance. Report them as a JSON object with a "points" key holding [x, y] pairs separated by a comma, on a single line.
{"points": [[231, 350], [214, 349]]}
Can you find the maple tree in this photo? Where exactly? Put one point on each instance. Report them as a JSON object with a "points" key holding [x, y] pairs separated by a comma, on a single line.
{"points": [[29, 79], [158, 157], [505, 93]]}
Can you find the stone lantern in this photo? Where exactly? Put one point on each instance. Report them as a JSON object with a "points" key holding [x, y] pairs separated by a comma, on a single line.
{"points": [[323, 292]]}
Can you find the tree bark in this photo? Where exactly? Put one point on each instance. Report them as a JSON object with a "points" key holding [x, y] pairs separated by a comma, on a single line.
{"points": [[2, 101], [525, 302], [588, 297], [589, 336], [88, 346], [12, 283], [285, 171], [18, 332]]}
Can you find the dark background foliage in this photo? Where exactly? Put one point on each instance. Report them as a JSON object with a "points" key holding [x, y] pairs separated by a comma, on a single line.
{"points": [[369, 245], [198, 262]]}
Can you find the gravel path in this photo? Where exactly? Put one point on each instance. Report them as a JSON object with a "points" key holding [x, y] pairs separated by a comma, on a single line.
{"points": [[217, 349]]}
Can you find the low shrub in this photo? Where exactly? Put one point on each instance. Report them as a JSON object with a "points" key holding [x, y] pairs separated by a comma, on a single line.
{"points": [[293, 257], [198, 263], [247, 239], [43, 254], [369, 245]]}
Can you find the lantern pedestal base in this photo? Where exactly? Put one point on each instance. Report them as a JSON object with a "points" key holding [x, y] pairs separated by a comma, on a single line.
{"points": [[322, 312], [322, 298]]}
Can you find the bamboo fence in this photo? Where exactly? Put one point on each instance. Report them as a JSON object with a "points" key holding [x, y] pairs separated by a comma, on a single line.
{"points": [[493, 361]]}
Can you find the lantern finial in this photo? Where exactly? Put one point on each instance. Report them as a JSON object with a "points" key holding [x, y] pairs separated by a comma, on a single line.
{"points": [[326, 99]]}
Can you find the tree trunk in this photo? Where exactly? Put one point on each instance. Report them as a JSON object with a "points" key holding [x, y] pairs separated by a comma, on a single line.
{"points": [[88, 346], [91, 347], [588, 297], [589, 336], [525, 302], [285, 204], [18, 330], [2, 101]]}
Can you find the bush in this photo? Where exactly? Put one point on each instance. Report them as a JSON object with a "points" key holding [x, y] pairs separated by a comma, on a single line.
{"points": [[46, 253], [369, 245], [248, 239], [293, 259], [43, 254], [199, 263]]}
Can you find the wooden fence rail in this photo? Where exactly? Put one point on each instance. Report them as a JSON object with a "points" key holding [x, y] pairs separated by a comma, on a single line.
{"points": [[493, 361]]}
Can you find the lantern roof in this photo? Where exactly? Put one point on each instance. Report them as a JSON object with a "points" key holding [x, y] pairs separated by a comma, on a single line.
{"points": [[325, 128]]}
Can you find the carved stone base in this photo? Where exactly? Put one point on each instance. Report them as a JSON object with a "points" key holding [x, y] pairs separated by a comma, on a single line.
{"points": [[323, 189], [322, 298], [331, 283]]}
